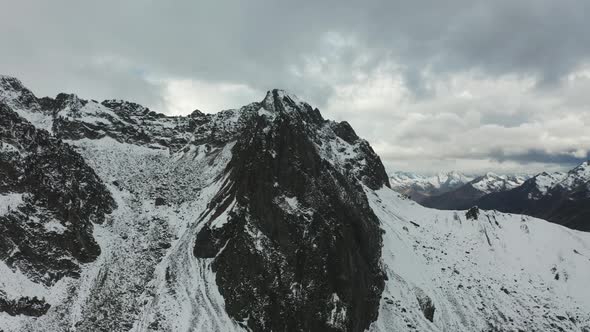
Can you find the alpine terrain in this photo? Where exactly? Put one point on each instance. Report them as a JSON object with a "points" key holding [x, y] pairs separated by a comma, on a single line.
{"points": [[560, 197], [466, 195], [419, 187], [264, 218]]}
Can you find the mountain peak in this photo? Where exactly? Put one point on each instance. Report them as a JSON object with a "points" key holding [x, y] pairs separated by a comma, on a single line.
{"points": [[277, 97], [8, 78], [10, 87], [280, 101], [584, 165]]}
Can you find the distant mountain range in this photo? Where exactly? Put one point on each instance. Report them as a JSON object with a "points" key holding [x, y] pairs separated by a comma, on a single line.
{"points": [[464, 196], [420, 187], [562, 198], [559, 197]]}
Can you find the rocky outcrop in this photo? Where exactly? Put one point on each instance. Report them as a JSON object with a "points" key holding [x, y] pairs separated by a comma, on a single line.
{"points": [[23, 306], [425, 303], [472, 213], [300, 237], [49, 233]]}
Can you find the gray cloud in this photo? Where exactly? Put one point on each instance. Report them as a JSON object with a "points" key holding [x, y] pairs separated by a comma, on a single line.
{"points": [[410, 76], [539, 156]]}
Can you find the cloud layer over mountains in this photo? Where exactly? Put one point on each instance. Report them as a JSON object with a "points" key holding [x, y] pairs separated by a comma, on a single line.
{"points": [[469, 85]]}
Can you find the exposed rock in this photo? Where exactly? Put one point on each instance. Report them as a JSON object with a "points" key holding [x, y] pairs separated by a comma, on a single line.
{"points": [[472, 213], [425, 304], [48, 235], [314, 228], [24, 306]]}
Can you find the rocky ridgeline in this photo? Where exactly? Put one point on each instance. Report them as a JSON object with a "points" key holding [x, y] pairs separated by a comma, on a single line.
{"points": [[300, 242]]}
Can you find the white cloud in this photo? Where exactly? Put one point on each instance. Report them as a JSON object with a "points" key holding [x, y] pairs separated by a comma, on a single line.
{"points": [[431, 85], [506, 123], [182, 96]]}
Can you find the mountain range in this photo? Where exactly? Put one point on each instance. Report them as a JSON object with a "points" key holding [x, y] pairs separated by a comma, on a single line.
{"points": [[464, 197], [559, 197], [420, 187], [269, 217]]}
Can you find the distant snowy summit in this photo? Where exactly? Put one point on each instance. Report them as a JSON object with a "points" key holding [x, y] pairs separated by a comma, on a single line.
{"points": [[575, 179], [452, 190], [425, 189], [491, 182], [560, 197], [419, 187]]}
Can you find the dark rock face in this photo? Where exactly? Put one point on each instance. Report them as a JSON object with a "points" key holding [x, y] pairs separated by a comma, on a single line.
{"points": [[472, 213], [50, 232], [24, 306], [300, 249], [425, 304]]}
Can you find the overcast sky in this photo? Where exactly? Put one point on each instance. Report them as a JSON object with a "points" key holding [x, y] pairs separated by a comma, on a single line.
{"points": [[433, 85]]}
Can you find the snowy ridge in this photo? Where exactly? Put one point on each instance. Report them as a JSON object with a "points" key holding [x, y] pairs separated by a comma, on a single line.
{"points": [[492, 182], [452, 179], [546, 182], [421, 187], [500, 272], [15, 95]]}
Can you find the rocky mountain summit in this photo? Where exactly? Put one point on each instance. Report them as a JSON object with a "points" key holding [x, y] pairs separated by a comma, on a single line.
{"points": [[262, 218]]}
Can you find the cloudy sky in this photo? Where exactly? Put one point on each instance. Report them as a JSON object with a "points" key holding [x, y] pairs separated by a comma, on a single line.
{"points": [[434, 85]]}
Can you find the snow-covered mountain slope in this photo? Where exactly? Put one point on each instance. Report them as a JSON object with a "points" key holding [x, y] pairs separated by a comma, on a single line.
{"points": [[491, 182], [271, 218], [466, 195], [498, 272], [49, 200], [545, 183], [560, 197], [419, 187]]}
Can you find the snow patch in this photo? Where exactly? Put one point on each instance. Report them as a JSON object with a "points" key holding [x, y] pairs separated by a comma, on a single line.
{"points": [[263, 112], [9, 202], [54, 226], [223, 218]]}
